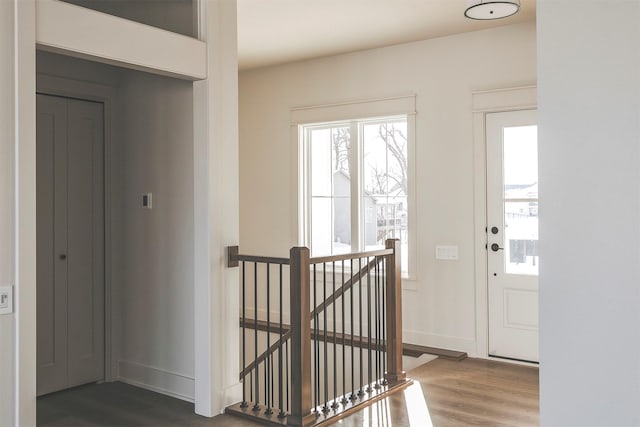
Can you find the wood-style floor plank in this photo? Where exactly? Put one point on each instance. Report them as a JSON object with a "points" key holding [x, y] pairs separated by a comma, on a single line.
{"points": [[472, 392], [446, 393]]}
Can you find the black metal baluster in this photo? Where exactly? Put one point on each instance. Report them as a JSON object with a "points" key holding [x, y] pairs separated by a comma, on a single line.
{"points": [[369, 360], [316, 347], [268, 367], [344, 342], [244, 403], [286, 359], [360, 391], [256, 406], [377, 316], [353, 365], [384, 321], [334, 405], [325, 408], [282, 413]]}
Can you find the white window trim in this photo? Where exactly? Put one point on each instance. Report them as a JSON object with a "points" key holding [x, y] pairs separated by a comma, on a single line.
{"points": [[344, 112]]}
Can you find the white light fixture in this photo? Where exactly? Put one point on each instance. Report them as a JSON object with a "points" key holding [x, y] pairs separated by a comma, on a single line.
{"points": [[484, 10]]}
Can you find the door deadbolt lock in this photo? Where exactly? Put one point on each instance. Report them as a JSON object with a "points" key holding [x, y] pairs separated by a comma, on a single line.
{"points": [[63, 256], [494, 230], [495, 247]]}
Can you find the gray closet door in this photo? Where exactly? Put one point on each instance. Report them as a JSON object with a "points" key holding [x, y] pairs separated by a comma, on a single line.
{"points": [[70, 234]]}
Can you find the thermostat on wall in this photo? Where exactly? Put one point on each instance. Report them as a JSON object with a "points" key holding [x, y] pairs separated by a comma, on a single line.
{"points": [[147, 201]]}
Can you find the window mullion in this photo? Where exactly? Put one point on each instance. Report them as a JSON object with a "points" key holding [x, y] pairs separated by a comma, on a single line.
{"points": [[308, 217], [355, 164]]}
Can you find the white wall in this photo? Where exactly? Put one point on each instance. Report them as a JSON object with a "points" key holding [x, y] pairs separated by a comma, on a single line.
{"points": [[157, 288], [589, 105], [442, 73], [7, 322]]}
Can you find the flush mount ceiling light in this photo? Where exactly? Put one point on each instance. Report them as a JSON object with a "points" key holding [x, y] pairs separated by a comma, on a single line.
{"points": [[484, 10]]}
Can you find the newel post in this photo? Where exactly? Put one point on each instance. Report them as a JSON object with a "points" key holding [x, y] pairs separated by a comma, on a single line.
{"points": [[393, 293], [300, 296]]}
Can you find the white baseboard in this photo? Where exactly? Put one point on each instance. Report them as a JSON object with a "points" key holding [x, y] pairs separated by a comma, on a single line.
{"points": [[440, 341], [232, 394], [158, 380]]}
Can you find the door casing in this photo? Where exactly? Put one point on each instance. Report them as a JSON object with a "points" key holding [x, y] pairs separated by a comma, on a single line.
{"points": [[483, 102]]}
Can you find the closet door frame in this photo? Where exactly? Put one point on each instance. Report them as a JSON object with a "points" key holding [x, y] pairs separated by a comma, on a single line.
{"points": [[59, 86]]}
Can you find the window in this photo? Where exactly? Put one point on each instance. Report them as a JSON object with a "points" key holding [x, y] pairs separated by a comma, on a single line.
{"points": [[356, 178]]}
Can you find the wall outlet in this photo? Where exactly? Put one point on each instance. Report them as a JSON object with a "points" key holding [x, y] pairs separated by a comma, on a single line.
{"points": [[449, 253], [6, 299]]}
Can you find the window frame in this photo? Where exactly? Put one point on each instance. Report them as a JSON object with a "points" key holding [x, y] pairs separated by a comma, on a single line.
{"points": [[355, 115]]}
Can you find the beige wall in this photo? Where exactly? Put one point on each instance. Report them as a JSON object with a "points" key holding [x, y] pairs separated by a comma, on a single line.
{"points": [[443, 73]]}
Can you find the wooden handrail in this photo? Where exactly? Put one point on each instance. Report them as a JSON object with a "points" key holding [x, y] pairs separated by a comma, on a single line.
{"points": [[234, 258], [346, 257]]}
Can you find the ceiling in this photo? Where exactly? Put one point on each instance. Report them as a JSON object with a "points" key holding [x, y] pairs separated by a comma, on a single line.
{"points": [[277, 31]]}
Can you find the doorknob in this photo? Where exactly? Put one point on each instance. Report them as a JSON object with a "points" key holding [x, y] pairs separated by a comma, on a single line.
{"points": [[63, 256], [495, 247]]}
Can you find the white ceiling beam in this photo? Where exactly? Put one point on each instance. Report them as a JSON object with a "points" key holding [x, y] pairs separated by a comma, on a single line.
{"points": [[84, 33]]}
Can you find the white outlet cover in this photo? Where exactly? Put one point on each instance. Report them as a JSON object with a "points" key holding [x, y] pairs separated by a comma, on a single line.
{"points": [[6, 299], [448, 253]]}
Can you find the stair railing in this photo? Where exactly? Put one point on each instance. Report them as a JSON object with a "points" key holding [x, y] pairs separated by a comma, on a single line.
{"points": [[329, 360]]}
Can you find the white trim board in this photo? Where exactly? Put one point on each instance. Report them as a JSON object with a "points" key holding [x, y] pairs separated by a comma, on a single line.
{"points": [[159, 380], [84, 33], [401, 105], [467, 345]]}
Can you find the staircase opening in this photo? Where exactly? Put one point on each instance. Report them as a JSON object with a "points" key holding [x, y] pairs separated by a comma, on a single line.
{"points": [[320, 337]]}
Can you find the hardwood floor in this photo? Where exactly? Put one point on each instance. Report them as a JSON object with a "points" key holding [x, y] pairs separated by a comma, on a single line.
{"points": [[121, 405], [472, 392]]}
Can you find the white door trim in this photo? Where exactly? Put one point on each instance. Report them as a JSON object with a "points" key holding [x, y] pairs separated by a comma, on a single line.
{"points": [[483, 102], [69, 88], [23, 114]]}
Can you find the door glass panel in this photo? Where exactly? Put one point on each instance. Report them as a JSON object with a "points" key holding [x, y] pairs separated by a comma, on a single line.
{"points": [[520, 159], [521, 237]]}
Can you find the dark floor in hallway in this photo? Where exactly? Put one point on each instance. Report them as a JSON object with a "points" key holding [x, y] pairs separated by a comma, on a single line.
{"points": [[446, 393]]}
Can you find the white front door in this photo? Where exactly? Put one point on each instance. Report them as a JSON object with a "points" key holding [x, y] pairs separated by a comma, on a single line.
{"points": [[512, 219]]}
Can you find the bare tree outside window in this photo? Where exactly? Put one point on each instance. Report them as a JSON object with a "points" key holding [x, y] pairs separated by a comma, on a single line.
{"points": [[381, 172]]}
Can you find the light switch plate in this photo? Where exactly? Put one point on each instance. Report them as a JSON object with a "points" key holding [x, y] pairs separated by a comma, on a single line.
{"points": [[448, 253], [6, 299]]}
